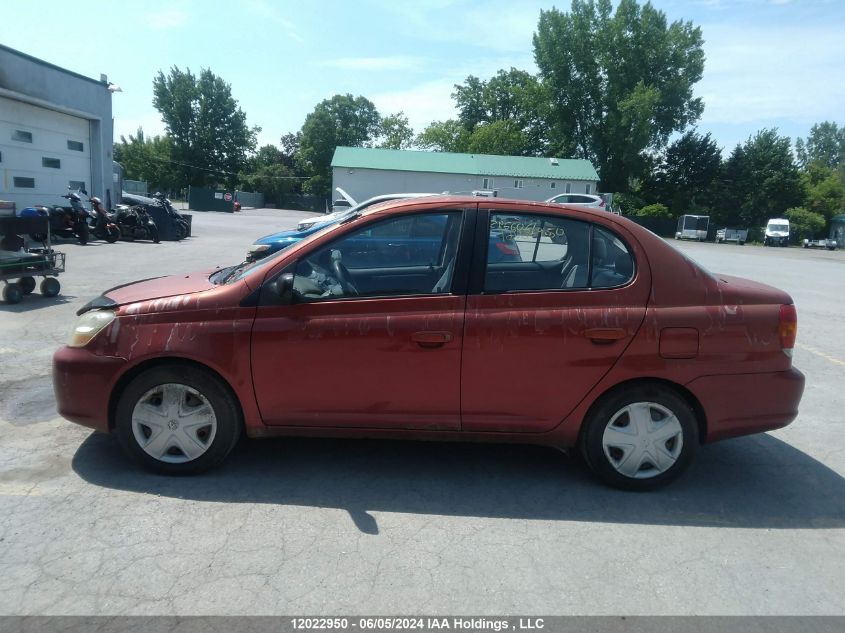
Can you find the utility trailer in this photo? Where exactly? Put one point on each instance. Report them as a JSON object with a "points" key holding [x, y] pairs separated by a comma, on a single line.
{"points": [[692, 227], [829, 244], [740, 236]]}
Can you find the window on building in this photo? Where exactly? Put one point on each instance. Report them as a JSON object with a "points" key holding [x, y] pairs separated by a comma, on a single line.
{"points": [[588, 189], [568, 187], [553, 184], [76, 185], [52, 163], [76, 146], [487, 183], [21, 136], [19, 182], [518, 184]]}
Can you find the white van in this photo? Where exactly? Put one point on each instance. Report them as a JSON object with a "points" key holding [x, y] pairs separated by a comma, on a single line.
{"points": [[776, 232]]}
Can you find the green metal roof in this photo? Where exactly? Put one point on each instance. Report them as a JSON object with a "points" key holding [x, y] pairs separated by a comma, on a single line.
{"points": [[472, 164]]}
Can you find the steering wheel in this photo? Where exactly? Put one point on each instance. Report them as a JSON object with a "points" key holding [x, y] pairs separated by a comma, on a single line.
{"points": [[342, 275]]}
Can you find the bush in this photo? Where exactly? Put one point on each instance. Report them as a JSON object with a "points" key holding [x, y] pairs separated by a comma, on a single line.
{"points": [[627, 203], [804, 224], [654, 211]]}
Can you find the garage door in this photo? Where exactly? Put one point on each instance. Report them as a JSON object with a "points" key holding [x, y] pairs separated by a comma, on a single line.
{"points": [[42, 153]]}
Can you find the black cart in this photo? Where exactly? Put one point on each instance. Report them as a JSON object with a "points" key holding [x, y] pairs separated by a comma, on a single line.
{"points": [[20, 266]]}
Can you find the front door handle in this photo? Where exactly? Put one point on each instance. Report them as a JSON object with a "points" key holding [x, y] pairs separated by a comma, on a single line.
{"points": [[605, 335], [431, 339]]}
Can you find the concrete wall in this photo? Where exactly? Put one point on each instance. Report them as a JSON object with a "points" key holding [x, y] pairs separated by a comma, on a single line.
{"points": [[29, 80], [365, 183]]}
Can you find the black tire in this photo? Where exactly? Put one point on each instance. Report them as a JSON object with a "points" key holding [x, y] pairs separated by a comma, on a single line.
{"points": [[83, 234], [188, 383], [12, 293], [27, 284], [50, 287], [112, 234], [153, 231], [611, 414]]}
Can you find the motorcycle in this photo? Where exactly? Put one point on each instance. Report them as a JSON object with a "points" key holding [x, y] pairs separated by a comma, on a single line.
{"points": [[135, 223], [64, 222], [179, 224], [103, 225]]}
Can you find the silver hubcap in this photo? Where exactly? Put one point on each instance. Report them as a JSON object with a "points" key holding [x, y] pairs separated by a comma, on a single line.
{"points": [[174, 423], [643, 440]]}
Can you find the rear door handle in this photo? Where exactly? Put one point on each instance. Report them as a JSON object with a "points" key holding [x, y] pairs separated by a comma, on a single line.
{"points": [[605, 335], [431, 339]]}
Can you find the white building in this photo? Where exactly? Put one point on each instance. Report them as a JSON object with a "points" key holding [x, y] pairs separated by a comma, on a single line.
{"points": [[365, 172], [55, 132]]}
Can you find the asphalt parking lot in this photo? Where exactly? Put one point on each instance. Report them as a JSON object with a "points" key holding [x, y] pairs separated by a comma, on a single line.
{"points": [[323, 527]]}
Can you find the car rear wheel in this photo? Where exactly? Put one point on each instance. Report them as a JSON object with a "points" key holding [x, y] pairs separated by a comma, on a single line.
{"points": [[640, 438], [177, 420]]}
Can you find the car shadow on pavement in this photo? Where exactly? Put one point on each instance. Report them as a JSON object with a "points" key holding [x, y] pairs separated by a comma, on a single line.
{"points": [[752, 482]]}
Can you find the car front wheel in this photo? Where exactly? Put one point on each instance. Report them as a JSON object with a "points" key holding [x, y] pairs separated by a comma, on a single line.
{"points": [[177, 420], [640, 438]]}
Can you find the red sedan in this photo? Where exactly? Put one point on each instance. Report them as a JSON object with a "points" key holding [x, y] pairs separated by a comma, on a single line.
{"points": [[402, 322]]}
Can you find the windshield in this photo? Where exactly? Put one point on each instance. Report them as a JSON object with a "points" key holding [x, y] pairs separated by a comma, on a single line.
{"points": [[783, 228]]}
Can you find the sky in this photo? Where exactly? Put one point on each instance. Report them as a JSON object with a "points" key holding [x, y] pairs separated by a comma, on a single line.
{"points": [[769, 63]]}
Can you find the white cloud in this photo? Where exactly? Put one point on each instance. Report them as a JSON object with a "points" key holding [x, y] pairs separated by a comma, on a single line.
{"points": [[167, 19], [267, 11], [374, 63], [500, 25], [422, 104], [758, 73]]}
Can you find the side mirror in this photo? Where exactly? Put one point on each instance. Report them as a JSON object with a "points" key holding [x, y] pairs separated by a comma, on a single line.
{"points": [[282, 289]]}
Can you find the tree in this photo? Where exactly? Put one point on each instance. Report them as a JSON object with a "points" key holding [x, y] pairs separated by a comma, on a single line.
{"points": [[804, 224], [268, 174], [499, 137], [515, 97], [343, 120], [687, 174], [656, 210], [825, 190], [825, 146], [147, 159], [760, 180], [396, 133], [444, 136], [210, 136], [619, 84]]}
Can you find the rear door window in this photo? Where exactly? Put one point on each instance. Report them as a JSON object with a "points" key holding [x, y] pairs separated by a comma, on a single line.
{"points": [[530, 252]]}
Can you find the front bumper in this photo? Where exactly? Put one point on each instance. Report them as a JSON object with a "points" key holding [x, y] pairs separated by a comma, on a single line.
{"points": [[83, 383], [743, 404]]}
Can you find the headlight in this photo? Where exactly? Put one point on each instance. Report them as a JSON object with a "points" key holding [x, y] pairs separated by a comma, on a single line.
{"points": [[304, 226], [89, 325]]}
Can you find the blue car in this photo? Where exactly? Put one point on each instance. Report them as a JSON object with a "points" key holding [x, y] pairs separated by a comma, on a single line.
{"points": [[503, 248], [269, 244]]}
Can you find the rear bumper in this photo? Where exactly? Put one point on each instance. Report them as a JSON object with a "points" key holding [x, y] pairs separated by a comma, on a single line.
{"points": [[83, 384], [748, 403]]}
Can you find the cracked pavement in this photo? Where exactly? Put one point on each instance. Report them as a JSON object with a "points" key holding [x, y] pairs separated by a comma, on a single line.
{"points": [[296, 526]]}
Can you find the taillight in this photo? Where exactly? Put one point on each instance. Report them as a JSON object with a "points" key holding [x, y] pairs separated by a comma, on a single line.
{"points": [[506, 249], [788, 328]]}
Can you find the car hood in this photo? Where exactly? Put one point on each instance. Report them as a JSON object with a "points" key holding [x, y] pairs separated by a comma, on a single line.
{"points": [[151, 289]]}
